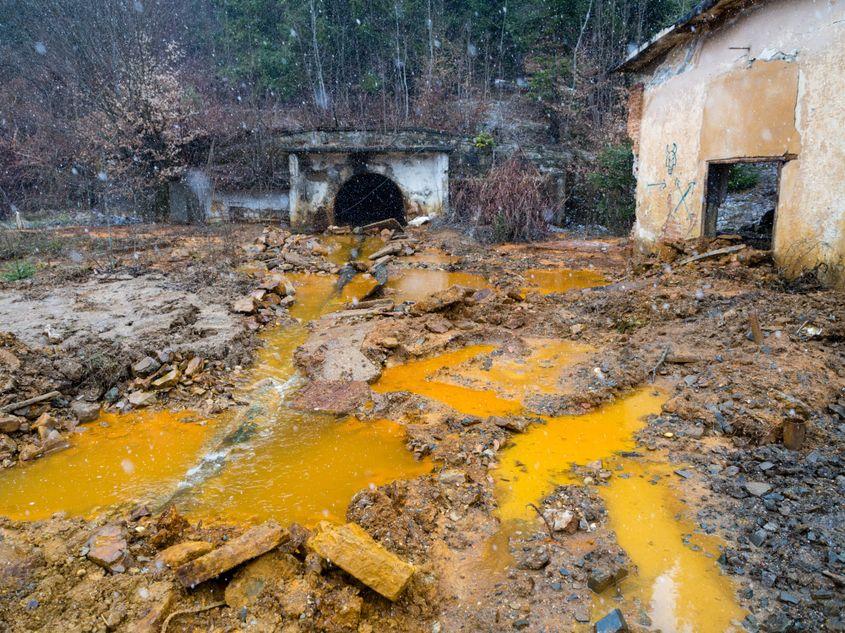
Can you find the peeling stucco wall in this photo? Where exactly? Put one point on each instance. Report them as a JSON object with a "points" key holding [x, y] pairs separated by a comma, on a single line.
{"points": [[769, 84], [316, 177]]}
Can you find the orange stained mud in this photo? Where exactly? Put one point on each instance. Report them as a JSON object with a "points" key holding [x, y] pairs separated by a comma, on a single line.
{"points": [[549, 280], [305, 468], [681, 589], [138, 456], [413, 284], [417, 377], [517, 377]]}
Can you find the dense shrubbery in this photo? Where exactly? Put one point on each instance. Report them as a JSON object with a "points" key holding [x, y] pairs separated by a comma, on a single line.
{"points": [[506, 205], [613, 187], [742, 176]]}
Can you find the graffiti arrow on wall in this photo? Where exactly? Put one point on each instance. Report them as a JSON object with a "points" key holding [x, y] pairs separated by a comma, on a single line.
{"points": [[662, 185]]}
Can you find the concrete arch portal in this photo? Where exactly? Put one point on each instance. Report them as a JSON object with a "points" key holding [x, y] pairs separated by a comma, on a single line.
{"points": [[367, 198], [355, 178]]}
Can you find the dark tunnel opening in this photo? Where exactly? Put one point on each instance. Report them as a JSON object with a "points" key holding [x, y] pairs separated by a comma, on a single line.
{"points": [[367, 198]]}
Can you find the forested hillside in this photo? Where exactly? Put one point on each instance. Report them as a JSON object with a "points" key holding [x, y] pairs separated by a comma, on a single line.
{"points": [[97, 93]]}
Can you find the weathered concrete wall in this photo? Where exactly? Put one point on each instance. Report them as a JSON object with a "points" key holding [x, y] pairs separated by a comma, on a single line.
{"points": [[770, 84], [316, 177], [196, 200]]}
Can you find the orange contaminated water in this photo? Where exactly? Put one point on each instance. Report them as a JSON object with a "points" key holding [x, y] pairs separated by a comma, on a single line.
{"points": [[418, 377], [541, 458], [515, 376], [265, 462], [118, 458], [549, 280], [305, 468], [343, 248], [680, 589], [432, 256], [413, 284]]}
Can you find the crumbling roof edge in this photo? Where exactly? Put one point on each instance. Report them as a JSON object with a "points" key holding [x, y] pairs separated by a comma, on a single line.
{"points": [[705, 16]]}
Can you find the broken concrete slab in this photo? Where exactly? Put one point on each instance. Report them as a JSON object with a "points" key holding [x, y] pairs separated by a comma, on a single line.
{"points": [[353, 550], [252, 543], [340, 396], [334, 354]]}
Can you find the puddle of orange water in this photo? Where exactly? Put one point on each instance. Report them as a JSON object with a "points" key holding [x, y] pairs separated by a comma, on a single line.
{"points": [[416, 377], [517, 377], [139, 456], [414, 284], [541, 458], [549, 280], [274, 462], [432, 256], [341, 247], [681, 589], [305, 468]]}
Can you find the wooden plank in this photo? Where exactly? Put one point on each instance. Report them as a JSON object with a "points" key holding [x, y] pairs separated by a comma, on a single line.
{"points": [[719, 251]]}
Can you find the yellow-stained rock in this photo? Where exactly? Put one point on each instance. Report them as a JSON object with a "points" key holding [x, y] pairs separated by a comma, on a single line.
{"points": [[353, 550], [251, 544], [262, 575], [181, 553]]}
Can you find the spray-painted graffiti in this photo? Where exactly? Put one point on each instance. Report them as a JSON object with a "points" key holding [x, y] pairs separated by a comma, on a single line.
{"points": [[679, 194], [671, 158]]}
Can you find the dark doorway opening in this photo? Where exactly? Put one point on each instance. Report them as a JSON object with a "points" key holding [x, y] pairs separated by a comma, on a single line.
{"points": [[742, 198], [367, 198]]}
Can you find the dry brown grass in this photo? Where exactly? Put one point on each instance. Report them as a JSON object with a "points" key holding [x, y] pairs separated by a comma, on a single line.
{"points": [[506, 205]]}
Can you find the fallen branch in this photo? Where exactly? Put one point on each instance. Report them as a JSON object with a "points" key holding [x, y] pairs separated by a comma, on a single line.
{"points": [[659, 364], [719, 251], [206, 607], [14, 406], [545, 520]]}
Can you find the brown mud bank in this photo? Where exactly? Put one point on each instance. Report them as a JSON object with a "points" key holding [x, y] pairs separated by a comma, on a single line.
{"points": [[523, 438]]}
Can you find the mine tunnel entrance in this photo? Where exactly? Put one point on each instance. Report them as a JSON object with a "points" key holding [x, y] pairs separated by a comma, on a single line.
{"points": [[367, 198], [741, 200]]}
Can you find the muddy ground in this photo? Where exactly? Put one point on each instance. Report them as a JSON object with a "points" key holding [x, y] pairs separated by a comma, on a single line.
{"points": [[740, 351]]}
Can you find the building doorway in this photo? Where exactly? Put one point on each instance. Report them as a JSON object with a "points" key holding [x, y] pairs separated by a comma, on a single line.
{"points": [[742, 199]]}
